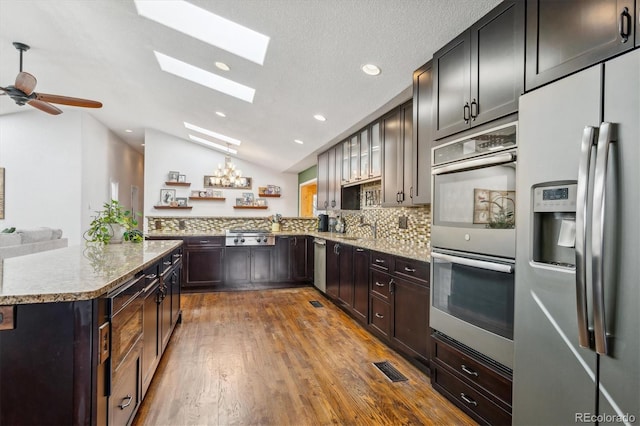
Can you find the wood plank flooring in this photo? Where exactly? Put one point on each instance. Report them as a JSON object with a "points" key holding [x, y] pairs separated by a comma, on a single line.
{"points": [[270, 358]]}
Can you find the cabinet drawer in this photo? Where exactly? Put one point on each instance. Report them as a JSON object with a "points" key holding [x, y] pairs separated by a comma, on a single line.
{"points": [[125, 395], [473, 370], [126, 330], [467, 398], [381, 260], [380, 315], [204, 242], [379, 283], [411, 268], [125, 293]]}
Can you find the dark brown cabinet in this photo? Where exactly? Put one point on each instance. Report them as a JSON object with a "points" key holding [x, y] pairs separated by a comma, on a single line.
{"points": [[478, 76], [422, 134], [410, 307], [566, 36], [361, 284], [330, 179], [261, 264], [152, 348], [203, 262], [292, 259], [322, 198], [249, 264], [397, 131]]}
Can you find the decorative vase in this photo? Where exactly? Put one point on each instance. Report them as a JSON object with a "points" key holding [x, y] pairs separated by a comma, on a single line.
{"points": [[275, 227], [117, 233]]}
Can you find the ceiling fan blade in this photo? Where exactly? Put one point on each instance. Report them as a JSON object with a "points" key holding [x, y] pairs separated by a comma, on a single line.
{"points": [[45, 106], [26, 83], [66, 100]]}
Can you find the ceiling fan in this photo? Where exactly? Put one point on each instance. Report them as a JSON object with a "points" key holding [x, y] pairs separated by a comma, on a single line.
{"points": [[22, 92]]}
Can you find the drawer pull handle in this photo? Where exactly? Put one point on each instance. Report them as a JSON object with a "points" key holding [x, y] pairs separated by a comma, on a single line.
{"points": [[407, 269], [379, 315], [379, 284], [204, 241], [177, 255], [124, 404], [468, 400], [359, 249], [468, 370], [151, 276], [379, 261], [167, 263]]}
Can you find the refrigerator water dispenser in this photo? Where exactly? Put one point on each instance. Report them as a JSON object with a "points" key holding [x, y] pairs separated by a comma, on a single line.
{"points": [[554, 223]]}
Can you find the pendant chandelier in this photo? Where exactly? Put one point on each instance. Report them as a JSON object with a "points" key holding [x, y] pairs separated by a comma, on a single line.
{"points": [[228, 174]]}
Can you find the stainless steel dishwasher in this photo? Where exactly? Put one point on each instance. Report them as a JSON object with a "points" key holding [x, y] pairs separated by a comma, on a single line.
{"points": [[320, 264]]}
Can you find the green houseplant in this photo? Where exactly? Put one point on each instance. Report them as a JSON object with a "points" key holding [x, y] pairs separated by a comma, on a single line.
{"points": [[113, 224]]}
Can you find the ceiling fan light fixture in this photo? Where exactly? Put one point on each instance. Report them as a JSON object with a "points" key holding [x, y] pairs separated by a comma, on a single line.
{"points": [[371, 69], [205, 78], [320, 117], [207, 27], [213, 144], [220, 136]]}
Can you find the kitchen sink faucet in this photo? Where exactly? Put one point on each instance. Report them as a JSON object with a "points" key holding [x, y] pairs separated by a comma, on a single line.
{"points": [[373, 227]]}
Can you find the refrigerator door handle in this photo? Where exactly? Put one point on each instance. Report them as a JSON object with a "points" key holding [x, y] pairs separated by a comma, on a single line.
{"points": [[606, 137], [589, 139]]}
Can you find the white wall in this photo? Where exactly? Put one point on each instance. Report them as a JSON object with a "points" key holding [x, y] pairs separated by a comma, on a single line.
{"points": [[164, 153], [56, 166]]}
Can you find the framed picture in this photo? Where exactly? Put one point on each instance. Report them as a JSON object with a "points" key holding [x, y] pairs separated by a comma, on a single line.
{"points": [[195, 193], [261, 202], [248, 198], [173, 176], [182, 178], [182, 201], [167, 196], [215, 194], [240, 202], [496, 209], [224, 183]]}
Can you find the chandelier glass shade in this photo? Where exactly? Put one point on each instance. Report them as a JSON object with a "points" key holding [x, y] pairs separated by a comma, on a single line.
{"points": [[228, 173]]}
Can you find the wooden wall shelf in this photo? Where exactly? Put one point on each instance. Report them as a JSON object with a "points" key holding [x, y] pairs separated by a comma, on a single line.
{"points": [[172, 207], [208, 198], [251, 207], [177, 183], [269, 195]]}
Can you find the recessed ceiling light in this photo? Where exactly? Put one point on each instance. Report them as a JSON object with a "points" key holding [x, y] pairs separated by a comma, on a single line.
{"points": [[320, 117], [213, 144], [222, 66], [370, 69], [221, 114], [213, 134], [208, 27], [298, 141], [141, 144], [128, 130], [198, 75]]}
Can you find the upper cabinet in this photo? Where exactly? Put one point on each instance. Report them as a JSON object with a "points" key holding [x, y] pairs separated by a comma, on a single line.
{"points": [[567, 36], [397, 130], [361, 156], [422, 134], [479, 75], [329, 179]]}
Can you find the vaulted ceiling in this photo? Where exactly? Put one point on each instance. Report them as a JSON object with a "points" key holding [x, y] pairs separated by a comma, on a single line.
{"points": [[104, 50]]}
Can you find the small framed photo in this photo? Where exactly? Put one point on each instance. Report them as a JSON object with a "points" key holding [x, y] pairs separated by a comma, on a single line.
{"points": [[261, 202], [211, 181], [182, 178], [240, 202], [182, 201], [215, 194], [167, 196], [173, 176], [209, 192], [248, 198]]}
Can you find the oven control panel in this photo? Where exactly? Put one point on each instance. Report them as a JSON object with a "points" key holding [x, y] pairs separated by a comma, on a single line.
{"points": [[556, 198]]}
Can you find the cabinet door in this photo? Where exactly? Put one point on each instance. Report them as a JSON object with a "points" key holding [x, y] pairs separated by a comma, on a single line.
{"points": [[405, 156], [410, 325], [336, 200], [333, 269], [322, 199], [354, 158], [567, 36], [261, 264], [497, 39], [237, 265], [151, 348], [298, 258], [282, 270], [365, 169], [391, 133], [375, 150], [165, 313], [361, 284], [451, 86], [422, 134], [345, 288], [333, 177], [204, 267], [176, 284], [346, 161]]}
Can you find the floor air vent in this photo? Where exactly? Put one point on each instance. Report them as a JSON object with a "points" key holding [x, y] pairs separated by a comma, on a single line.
{"points": [[316, 304], [390, 371]]}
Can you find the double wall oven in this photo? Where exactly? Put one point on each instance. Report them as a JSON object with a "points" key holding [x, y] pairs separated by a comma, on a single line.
{"points": [[473, 241]]}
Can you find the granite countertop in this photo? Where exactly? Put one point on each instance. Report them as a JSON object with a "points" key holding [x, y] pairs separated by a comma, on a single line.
{"points": [[421, 252], [76, 273]]}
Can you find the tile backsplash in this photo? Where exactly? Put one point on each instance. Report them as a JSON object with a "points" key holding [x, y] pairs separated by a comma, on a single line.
{"points": [[221, 224]]}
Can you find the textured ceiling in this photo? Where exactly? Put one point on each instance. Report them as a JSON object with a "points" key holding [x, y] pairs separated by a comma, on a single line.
{"points": [[103, 50]]}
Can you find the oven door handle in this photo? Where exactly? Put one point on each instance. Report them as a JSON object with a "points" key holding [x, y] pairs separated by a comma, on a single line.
{"points": [[481, 264], [478, 163]]}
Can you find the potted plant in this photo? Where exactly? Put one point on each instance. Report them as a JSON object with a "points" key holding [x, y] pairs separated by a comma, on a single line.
{"points": [[112, 225]]}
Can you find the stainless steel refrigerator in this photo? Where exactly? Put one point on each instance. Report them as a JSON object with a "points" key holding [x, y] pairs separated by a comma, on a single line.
{"points": [[577, 296]]}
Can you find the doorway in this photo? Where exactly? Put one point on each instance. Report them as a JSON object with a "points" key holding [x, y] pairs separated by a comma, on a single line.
{"points": [[308, 194]]}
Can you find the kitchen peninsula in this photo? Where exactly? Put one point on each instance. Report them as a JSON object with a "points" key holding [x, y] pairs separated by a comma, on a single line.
{"points": [[82, 330]]}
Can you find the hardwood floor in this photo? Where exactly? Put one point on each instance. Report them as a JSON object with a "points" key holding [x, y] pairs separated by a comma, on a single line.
{"points": [[269, 357]]}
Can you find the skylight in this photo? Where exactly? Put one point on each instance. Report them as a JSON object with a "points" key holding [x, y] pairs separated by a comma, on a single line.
{"points": [[198, 75], [213, 144], [213, 134], [206, 26]]}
